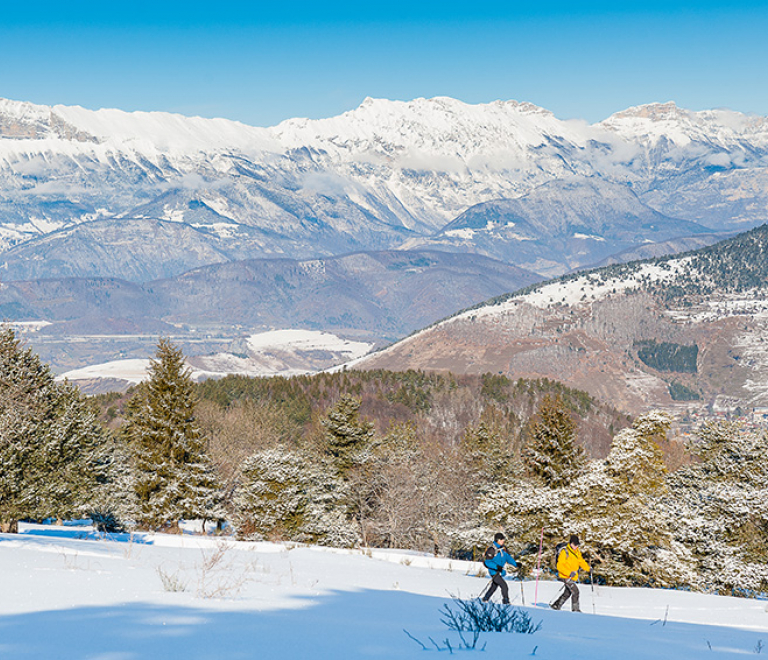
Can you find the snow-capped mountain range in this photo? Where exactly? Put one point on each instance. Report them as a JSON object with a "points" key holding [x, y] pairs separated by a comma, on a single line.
{"points": [[372, 178], [139, 197]]}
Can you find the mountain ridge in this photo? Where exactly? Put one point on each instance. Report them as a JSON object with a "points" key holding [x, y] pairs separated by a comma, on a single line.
{"points": [[587, 330], [562, 225], [375, 296], [375, 177]]}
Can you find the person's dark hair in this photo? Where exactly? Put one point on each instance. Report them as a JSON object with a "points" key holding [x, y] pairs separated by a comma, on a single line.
{"points": [[498, 537], [574, 540]]}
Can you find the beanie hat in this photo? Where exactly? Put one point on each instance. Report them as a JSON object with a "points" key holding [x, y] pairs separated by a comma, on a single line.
{"points": [[498, 537], [574, 540]]}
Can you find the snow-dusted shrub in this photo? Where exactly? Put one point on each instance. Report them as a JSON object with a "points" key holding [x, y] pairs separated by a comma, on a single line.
{"points": [[472, 615], [285, 495], [106, 521], [721, 508]]}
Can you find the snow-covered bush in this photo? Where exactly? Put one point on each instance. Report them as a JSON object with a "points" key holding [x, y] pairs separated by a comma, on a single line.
{"points": [[721, 508], [283, 495]]}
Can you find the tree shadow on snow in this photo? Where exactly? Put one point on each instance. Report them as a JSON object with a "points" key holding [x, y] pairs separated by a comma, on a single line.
{"points": [[339, 625]]}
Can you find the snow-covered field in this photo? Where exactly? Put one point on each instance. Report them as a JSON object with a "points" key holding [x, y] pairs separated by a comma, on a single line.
{"points": [[307, 340], [67, 594], [133, 370]]}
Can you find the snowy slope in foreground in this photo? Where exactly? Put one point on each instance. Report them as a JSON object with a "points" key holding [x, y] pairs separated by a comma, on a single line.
{"points": [[70, 598]]}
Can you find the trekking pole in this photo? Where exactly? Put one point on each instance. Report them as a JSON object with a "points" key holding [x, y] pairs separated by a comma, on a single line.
{"points": [[538, 569], [485, 591], [522, 592], [592, 584]]}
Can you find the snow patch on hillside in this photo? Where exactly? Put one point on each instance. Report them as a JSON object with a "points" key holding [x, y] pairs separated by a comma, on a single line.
{"points": [[307, 340], [583, 290], [28, 326], [273, 353], [746, 304], [132, 370], [466, 233], [590, 237]]}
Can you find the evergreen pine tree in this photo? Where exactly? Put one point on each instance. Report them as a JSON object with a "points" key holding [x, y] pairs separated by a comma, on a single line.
{"points": [[488, 451], [346, 435], [552, 453], [52, 450], [173, 477]]}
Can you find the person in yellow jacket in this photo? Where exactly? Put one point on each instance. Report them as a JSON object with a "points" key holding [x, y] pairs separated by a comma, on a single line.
{"points": [[569, 561]]}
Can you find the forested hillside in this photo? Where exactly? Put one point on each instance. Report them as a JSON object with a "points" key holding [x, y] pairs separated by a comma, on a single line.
{"points": [[429, 462], [243, 414], [734, 265], [642, 335]]}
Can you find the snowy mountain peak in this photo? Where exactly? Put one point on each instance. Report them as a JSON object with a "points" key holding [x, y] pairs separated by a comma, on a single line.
{"points": [[440, 126], [370, 178], [667, 122], [143, 132]]}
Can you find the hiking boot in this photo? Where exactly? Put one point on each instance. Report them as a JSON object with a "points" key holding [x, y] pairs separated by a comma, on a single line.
{"points": [[555, 606]]}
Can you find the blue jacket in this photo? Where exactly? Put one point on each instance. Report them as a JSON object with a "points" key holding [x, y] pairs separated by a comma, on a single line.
{"points": [[495, 566]]}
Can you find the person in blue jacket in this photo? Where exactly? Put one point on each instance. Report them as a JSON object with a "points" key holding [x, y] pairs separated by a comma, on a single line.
{"points": [[495, 564]]}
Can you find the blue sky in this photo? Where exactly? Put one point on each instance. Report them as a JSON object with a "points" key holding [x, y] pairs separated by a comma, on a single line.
{"points": [[261, 63]]}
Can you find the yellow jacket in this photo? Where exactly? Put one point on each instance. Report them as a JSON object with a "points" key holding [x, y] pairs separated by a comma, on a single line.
{"points": [[569, 561]]}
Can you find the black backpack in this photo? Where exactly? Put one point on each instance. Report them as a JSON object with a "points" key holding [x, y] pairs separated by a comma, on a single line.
{"points": [[558, 549], [489, 554]]}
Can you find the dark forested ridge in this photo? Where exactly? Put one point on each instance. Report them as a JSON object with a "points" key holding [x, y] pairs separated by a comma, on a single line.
{"points": [[734, 265]]}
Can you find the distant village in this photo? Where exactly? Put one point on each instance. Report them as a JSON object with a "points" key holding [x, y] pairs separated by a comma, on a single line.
{"points": [[688, 419]]}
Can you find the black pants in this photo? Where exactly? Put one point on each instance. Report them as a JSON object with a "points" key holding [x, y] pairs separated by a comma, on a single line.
{"points": [[498, 582], [570, 591]]}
